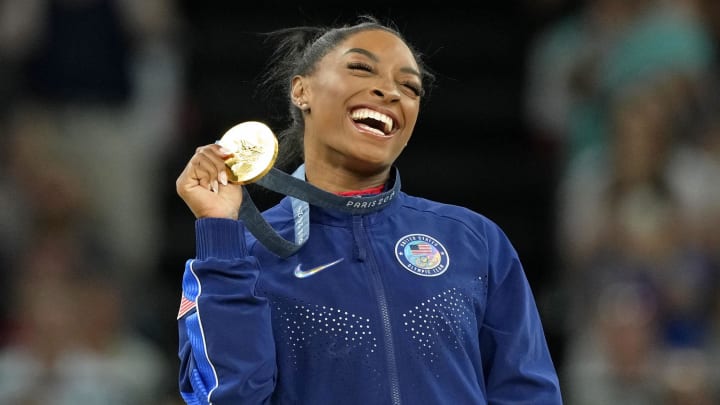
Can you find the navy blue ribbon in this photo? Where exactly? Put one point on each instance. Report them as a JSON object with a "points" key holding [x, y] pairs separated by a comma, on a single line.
{"points": [[304, 193]]}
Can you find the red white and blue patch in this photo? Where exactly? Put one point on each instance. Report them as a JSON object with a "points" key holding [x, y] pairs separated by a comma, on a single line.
{"points": [[422, 255], [185, 306]]}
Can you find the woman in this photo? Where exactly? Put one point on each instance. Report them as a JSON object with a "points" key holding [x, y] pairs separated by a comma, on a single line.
{"points": [[411, 302]]}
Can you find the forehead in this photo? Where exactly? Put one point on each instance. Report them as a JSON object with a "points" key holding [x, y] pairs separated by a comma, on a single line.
{"points": [[383, 44]]}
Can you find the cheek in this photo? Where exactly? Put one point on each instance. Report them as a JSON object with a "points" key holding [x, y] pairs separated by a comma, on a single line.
{"points": [[411, 115], [329, 90]]}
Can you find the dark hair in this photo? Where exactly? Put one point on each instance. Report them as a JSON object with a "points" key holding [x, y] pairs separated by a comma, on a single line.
{"points": [[298, 52]]}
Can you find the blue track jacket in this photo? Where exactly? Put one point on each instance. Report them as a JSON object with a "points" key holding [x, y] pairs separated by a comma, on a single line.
{"points": [[417, 303]]}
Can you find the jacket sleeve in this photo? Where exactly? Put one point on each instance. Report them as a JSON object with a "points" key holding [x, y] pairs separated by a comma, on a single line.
{"points": [[516, 359], [226, 346]]}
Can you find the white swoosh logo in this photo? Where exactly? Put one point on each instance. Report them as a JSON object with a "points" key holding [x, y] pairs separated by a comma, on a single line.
{"points": [[300, 273]]}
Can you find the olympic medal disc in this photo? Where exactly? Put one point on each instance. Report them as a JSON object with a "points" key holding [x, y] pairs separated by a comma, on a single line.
{"points": [[254, 148]]}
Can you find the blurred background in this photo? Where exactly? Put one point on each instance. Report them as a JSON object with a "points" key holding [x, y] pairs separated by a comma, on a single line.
{"points": [[589, 130]]}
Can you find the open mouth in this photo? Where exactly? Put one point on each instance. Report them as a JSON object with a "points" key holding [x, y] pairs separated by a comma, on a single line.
{"points": [[373, 121]]}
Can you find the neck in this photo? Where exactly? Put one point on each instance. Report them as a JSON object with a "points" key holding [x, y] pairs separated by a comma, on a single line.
{"points": [[336, 179]]}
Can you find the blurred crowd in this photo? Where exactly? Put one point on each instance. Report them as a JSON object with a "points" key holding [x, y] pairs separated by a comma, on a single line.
{"points": [[89, 98], [623, 93]]}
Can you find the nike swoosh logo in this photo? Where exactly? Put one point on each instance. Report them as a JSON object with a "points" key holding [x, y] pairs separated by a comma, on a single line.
{"points": [[300, 273]]}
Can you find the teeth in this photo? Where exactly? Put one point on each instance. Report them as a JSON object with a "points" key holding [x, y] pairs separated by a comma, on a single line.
{"points": [[361, 113]]}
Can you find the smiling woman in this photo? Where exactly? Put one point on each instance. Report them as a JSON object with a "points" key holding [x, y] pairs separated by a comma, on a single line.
{"points": [[393, 298], [379, 89]]}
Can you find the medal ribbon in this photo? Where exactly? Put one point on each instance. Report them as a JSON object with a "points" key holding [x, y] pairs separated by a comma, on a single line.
{"points": [[304, 194]]}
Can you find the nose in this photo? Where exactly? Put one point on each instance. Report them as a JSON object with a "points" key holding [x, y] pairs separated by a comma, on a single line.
{"points": [[386, 90]]}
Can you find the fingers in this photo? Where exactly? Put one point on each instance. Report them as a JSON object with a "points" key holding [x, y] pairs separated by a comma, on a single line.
{"points": [[205, 172], [207, 168], [203, 185]]}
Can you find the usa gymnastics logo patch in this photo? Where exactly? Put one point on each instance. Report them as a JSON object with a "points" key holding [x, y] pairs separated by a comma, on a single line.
{"points": [[422, 255]]}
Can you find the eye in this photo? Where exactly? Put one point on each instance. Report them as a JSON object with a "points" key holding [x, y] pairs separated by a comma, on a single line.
{"points": [[415, 88], [360, 66]]}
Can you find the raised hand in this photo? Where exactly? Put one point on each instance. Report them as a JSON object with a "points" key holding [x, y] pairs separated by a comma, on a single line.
{"points": [[204, 186]]}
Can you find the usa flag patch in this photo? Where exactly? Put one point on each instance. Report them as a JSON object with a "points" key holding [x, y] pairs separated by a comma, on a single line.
{"points": [[185, 306], [422, 255]]}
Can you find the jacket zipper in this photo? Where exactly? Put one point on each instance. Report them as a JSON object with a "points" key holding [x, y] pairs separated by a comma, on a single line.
{"points": [[361, 237]]}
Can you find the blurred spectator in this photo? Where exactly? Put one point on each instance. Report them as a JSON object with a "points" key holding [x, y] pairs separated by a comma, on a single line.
{"points": [[98, 85], [592, 189], [34, 364], [615, 360], [564, 61], [44, 221], [687, 379], [582, 61], [621, 214], [695, 173], [71, 346], [698, 165], [68, 339]]}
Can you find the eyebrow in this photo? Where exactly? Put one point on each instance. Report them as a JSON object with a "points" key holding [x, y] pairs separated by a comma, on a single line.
{"points": [[376, 59]]}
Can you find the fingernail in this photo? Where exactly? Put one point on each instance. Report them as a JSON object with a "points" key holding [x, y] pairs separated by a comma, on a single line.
{"points": [[223, 178], [225, 151], [215, 185]]}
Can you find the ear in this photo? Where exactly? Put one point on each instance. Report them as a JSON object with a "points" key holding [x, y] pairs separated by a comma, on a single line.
{"points": [[299, 93]]}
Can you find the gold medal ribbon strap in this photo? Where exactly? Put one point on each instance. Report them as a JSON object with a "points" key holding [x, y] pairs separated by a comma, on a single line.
{"points": [[304, 193], [281, 182]]}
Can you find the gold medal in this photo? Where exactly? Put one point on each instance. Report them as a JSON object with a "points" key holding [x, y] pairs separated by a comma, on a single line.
{"points": [[254, 148]]}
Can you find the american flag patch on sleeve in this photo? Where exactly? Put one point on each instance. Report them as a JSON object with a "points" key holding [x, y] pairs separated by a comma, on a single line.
{"points": [[185, 306]]}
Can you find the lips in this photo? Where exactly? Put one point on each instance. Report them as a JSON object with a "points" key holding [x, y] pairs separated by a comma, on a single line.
{"points": [[373, 121]]}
